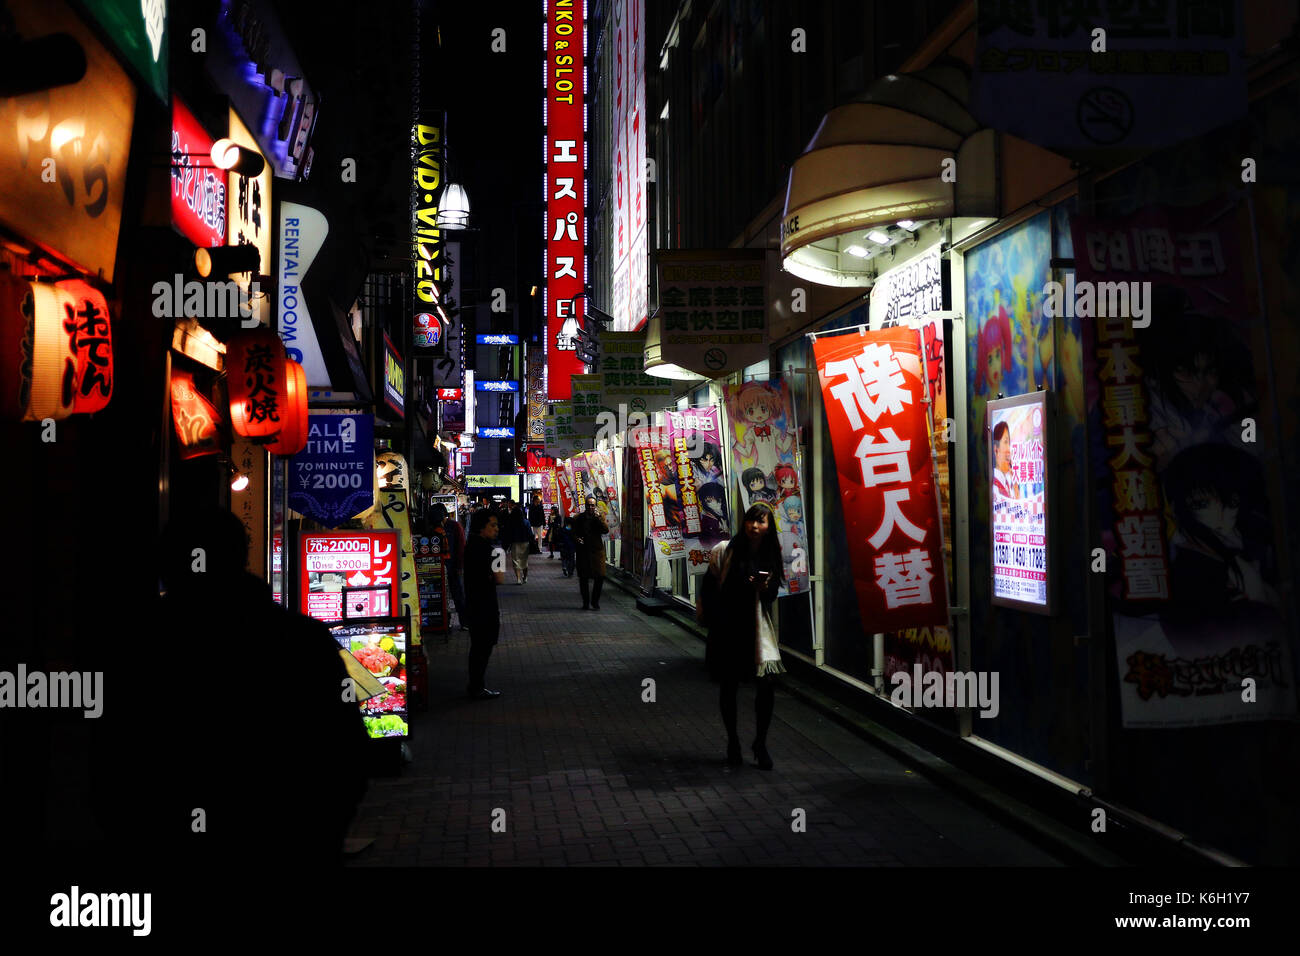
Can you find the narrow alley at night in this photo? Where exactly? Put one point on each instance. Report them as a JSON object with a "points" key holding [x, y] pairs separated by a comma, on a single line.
{"points": [[753, 439]]}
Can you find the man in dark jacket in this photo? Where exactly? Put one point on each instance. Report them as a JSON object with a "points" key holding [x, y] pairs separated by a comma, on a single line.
{"points": [[483, 572], [228, 748], [587, 529]]}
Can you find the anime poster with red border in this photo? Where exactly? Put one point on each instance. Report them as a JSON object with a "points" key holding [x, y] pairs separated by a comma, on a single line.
{"points": [[765, 462]]}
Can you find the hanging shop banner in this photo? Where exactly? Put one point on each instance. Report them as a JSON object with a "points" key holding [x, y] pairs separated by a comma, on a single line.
{"points": [[138, 28], [1020, 494], [696, 433], [1159, 73], [764, 460], [908, 292], [430, 567], [194, 417], [593, 477], [249, 505], [333, 478], [624, 384], [662, 476], [248, 216], [586, 407], [1193, 550], [565, 226], [873, 389], [550, 492], [302, 233], [628, 165], [712, 306], [563, 490], [535, 384], [64, 150], [346, 574], [394, 379], [392, 512], [198, 187]]}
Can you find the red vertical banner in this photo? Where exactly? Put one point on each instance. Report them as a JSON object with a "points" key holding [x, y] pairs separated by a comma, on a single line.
{"points": [[564, 116], [873, 387]]}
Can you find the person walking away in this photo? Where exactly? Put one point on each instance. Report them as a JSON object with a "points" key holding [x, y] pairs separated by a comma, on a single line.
{"points": [[484, 615], [537, 520], [553, 530], [587, 531], [520, 538], [736, 599], [568, 548], [455, 564]]}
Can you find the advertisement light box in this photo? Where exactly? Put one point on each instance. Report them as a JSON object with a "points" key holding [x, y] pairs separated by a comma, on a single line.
{"points": [[349, 574], [501, 432], [495, 385], [1019, 498]]}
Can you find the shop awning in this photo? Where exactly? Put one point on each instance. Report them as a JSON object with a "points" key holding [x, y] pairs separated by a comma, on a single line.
{"points": [[879, 162]]}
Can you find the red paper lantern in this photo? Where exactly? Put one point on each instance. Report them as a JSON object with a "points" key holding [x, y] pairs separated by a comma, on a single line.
{"points": [[293, 437], [56, 349], [257, 377]]}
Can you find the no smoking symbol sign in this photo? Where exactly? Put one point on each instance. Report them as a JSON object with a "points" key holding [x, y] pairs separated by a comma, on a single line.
{"points": [[715, 358], [1105, 115]]}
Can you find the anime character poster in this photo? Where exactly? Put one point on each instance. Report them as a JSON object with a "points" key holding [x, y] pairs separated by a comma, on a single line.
{"points": [[697, 433], [1190, 531], [764, 458], [662, 476], [601, 475]]}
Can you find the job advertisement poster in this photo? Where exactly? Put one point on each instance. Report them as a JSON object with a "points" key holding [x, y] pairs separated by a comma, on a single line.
{"points": [[1018, 495]]}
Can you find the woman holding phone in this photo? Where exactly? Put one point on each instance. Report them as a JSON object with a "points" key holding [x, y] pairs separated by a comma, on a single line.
{"points": [[736, 599]]}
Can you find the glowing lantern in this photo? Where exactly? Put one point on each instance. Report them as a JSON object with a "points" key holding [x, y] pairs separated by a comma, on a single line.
{"points": [[293, 437], [257, 376], [56, 349]]}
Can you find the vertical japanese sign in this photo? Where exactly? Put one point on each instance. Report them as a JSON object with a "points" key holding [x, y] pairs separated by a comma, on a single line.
{"points": [[391, 512], [198, 187], [873, 386], [1194, 563], [564, 483], [561, 438], [248, 214], [764, 459], [628, 179], [712, 306], [565, 118], [535, 383], [697, 434], [1019, 495], [586, 406], [428, 259], [661, 474]]}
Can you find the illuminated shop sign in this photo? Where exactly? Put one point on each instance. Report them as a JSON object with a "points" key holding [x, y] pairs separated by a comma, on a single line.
{"points": [[501, 432], [198, 188], [495, 339], [495, 385], [451, 395], [394, 378], [564, 146]]}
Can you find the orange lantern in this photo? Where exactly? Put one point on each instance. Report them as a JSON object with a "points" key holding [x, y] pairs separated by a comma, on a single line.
{"points": [[257, 377], [56, 349], [293, 437], [85, 315]]}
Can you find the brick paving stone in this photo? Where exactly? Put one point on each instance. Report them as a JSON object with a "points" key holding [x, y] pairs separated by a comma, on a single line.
{"points": [[589, 774]]}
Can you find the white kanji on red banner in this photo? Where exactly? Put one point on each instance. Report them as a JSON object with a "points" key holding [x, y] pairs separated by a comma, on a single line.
{"points": [[905, 578], [877, 455], [894, 518], [873, 383]]}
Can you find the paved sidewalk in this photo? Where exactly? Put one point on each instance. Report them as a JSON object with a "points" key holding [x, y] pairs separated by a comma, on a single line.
{"points": [[587, 772]]}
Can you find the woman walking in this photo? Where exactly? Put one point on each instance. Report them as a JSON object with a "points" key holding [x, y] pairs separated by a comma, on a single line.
{"points": [[736, 601]]}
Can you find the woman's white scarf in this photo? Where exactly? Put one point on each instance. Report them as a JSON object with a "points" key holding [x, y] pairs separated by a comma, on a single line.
{"points": [[767, 656]]}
